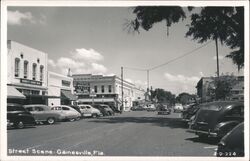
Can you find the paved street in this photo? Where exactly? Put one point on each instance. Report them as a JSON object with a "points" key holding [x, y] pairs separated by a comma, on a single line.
{"points": [[136, 133]]}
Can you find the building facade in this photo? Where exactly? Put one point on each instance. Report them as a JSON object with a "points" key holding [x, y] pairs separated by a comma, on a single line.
{"points": [[236, 92], [104, 89], [60, 89], [27, 74]]}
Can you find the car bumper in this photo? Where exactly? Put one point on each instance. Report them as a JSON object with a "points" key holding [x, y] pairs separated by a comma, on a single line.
{"points": [[212, 134]]}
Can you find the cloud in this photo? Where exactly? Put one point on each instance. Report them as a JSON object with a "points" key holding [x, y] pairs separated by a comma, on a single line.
{"points": [[20, 18], [129, 80], [180, 83], [88, 55], [220, 57], [80, 62]]}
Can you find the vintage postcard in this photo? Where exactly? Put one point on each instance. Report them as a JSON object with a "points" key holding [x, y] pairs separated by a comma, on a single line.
{"points": [[127, 80]]}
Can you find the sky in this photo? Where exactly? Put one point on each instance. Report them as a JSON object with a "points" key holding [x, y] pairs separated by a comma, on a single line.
{"points": [[93, 40]]}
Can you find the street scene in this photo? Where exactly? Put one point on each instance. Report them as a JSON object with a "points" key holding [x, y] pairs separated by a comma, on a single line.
{"points": [[126, 81]]}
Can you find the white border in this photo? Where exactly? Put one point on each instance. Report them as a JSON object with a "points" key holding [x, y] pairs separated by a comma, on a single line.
{"points": [[3, 74]]}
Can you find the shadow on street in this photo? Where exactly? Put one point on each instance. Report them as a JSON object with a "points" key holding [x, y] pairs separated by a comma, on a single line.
{"points": [[208, 140], [157, 121]]}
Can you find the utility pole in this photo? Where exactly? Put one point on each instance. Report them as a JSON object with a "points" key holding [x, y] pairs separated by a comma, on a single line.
{"points": [[148, 79], [122, 88], [217, 57]]}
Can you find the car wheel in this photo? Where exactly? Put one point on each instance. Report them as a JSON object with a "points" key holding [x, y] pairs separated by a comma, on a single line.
{"points": [[78, 118], [51, 120], [72, 119], [20, 125], [94, 115]]}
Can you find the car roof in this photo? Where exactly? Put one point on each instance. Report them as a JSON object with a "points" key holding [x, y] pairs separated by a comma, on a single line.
{"points": [[13, 104], [35, 105]]}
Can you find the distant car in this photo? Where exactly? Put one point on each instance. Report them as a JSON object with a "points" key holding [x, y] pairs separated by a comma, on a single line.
{"points": [[70, 113], [178, 107], [216, 119], [232, 144], [151, 107], [18, 117], [89, 111], [104, 109], [190, 111], [164, 110], [43, 113], [137, 108], [77, 108]]}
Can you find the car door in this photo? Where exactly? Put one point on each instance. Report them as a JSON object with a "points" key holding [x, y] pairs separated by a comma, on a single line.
{"points": [[68, 112], [39, 113]]}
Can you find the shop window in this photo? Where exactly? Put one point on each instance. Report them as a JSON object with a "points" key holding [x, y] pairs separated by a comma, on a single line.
{"points": [[17, 67], [34, 71], [102, 89], [95, 88], [25, 69], [41, 73], [110, 88]]}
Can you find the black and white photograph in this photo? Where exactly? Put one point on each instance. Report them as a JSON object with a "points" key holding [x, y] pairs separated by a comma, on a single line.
{"points": [[125, 80]]}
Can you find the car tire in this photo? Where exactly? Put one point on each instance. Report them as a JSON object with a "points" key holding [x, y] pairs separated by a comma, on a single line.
{"points": [[72, 119], [51, 120], [94, 115], [19, 125]]}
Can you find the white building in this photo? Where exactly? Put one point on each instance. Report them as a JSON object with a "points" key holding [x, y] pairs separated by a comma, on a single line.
{"points": [[27, 74], [60, 89], [104, 89]]}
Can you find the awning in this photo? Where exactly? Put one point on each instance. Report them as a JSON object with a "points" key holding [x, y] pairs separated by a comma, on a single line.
{"points": [[13, 93], [68, 95], [96, 100]]}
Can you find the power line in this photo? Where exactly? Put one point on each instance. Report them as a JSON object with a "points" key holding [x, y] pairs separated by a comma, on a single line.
{"points": [[188, 53], [138, 69]]}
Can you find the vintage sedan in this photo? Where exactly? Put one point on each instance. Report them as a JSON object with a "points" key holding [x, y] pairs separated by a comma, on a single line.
{"points": [[18, 117], [189, 112], [216, 119], [232, 144], [164, 110], [43, 113], [69, 113], [89, 111], [104, 109]]}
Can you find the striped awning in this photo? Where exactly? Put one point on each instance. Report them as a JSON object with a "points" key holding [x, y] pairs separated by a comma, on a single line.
{"points": [[13, 93]]}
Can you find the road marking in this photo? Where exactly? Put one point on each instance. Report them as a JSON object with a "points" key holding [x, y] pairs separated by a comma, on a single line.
{"points": [[210, 147]]}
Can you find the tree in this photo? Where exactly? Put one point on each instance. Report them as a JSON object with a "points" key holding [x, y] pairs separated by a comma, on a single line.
{"points": [[146, 16], [185, 98], [225, 24], [163, 96], [217, 23], [220, 88]]}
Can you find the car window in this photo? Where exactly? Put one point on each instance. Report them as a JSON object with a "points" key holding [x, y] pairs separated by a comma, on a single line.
{"points": [[39, 109], [29, 109], [65, 108], [15, 108], [87, 107]]}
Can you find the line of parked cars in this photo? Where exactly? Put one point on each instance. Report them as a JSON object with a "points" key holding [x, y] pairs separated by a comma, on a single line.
{"points": [[223, 120], [19, 116]]}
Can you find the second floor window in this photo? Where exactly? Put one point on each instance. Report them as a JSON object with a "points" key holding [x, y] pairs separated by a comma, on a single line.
{"points": [[41, 73], [17, 67], [95, 88], [34, 71], [110, 88], [102, 89], [25, 69]]}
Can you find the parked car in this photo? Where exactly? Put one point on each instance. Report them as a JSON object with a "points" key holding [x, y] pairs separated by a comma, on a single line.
{"points": [[77, 108], [151, 107], [89, 111], [18, 117], [164, 110], [189, 112], [43, 113], [115, 109], [70, 113], [104, 109], [178, 107], [216, 119], [137, 108], [232, 144]]}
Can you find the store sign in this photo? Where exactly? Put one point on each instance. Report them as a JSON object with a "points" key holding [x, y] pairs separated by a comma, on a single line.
{"points": [[65, 83], [27, 81]]}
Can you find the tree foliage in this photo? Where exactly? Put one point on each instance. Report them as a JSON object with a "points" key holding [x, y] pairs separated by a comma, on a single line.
{"points": [[223, 23], [163, 96], [220, 88], [185, 98]]}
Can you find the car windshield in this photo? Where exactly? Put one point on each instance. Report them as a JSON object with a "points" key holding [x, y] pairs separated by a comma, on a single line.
{"points": [[215, 107], [15, 108]]}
